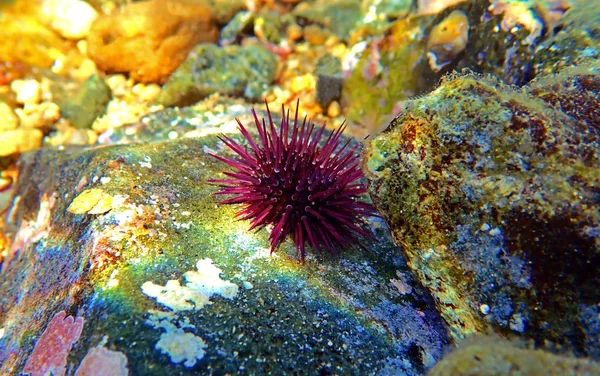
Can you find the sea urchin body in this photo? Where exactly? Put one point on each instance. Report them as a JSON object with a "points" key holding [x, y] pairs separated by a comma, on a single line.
{"points": [[303, 187]]}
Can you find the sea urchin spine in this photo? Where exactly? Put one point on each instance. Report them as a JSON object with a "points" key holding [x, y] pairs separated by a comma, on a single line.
{"points": [[301, 188]]}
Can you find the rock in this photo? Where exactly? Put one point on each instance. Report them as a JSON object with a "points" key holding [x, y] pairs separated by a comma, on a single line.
{"points": [[376, 76], [26, 41], [27, 91], [149, 39], [70, 18], [339, 16], [230, 70], [10, 71], [492, 193], [38, 115], [435, 6], [160, 275], [64, 134], [240, 22], [512, 43], [225, 10], [19, 140], [84, 103], [574, 42], [8, 118], [494, 356], [329, 80]]}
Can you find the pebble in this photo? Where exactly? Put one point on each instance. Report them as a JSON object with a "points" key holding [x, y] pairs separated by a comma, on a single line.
{"points": [[27, 91], [315, 36], [20, 140], [8, 118], [91, 201], [68, 135], [334, 109], [294, 32], [38, 115], [72, 19]]}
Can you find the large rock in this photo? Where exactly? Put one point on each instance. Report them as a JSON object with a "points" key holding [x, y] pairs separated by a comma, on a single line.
{"points": [[122, 253], [492, 193]]}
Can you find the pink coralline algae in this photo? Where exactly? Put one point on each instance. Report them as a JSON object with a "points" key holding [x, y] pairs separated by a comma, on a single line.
{"points": [[51, 350], [100, 361]]}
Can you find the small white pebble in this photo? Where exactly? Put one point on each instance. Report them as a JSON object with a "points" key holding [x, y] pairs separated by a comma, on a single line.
{"points": [[485, 227], [70, 18], [104, 180], [27, 91], [173, 135]]}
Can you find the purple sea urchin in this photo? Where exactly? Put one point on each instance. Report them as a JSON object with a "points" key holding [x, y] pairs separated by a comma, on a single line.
{"points": [[301, 188]]}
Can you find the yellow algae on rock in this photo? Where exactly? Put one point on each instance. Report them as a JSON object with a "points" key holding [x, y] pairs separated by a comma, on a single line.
{"points": [[447, 39], [91, 201], [149, 39]]}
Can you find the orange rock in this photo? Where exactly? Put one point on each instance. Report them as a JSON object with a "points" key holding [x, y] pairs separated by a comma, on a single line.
{"points": [[150, 39]]}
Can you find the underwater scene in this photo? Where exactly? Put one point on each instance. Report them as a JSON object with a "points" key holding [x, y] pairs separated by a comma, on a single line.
{"points": [[299, 187]]}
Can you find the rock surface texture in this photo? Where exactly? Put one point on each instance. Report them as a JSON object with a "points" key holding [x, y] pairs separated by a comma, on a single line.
{"points": [[492, 193]]}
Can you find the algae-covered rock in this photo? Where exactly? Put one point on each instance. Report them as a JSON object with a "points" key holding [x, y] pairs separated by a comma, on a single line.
{"points": [[83, 103], [576, 40], [495, 357], [492, 192], [231, 70], [507, 39], [149, 39], [128, 243], [338, 16], [383, 71]]}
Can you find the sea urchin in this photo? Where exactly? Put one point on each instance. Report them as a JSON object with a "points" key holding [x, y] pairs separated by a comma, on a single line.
{"points": [[301, 186]]}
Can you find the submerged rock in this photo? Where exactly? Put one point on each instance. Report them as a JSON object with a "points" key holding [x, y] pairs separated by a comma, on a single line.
{"points": [[494, 356], [230, 70], [82, 103], [149, 39], [329, 80], [129, 241], [492, 192]]}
